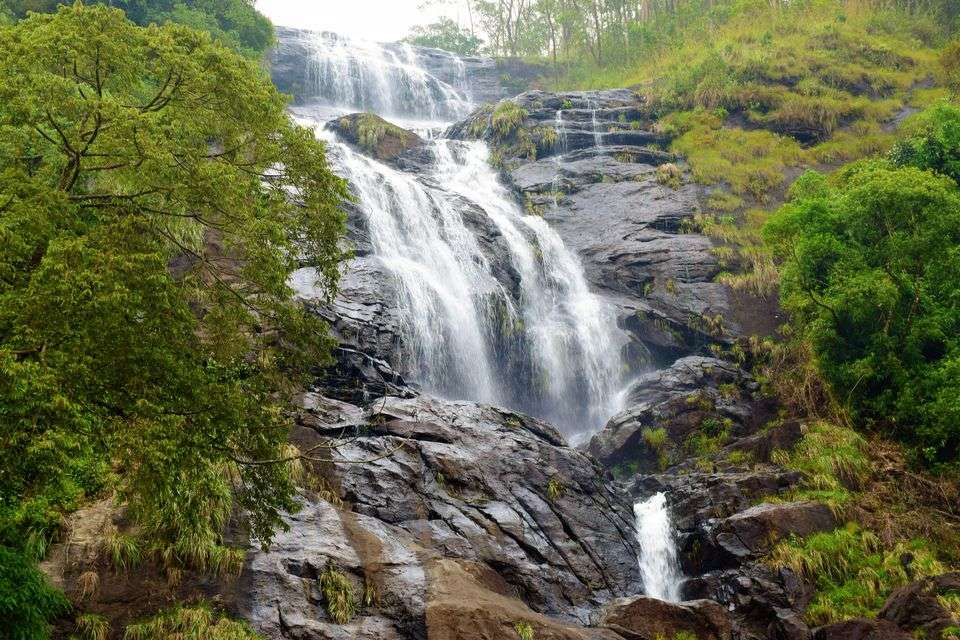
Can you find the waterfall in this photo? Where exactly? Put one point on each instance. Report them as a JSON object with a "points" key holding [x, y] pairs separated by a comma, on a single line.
{"points": [[561, 149], [493, 306], [570, 334], [597, 134], [386, 79], [659, 566]]}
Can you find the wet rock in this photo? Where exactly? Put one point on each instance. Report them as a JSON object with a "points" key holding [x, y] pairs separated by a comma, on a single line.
{"points": [[643, 618], [374, 135], [916, 606], [861, 629], [446, 489], [594, 178], [763, 603], [697, 499], [695, 395], [754, 531]]}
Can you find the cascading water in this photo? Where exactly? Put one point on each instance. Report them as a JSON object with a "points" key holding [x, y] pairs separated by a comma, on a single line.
{"points": [[597, 134], [570, 335], [494, 307], [561, 147], [385, 79], [659, 566]]}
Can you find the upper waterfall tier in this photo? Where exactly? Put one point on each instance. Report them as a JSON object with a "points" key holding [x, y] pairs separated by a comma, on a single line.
{"points": [[392, 79]]}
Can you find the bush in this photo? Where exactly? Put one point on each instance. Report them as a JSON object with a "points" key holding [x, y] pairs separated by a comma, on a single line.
{"points": [[198, 621], [871, 274], [27, 601], [852, 571], [933, 141], [507, 118]]}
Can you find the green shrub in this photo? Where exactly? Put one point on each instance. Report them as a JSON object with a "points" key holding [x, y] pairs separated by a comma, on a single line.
{"points": [[198, 621], [507, 118], [871, 275], [852, 571], [27, 601], [932, 141]]}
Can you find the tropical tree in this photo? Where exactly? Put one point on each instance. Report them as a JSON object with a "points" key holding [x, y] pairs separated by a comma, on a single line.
{"points": [[447, 35], [871, 276], [154, 199]]}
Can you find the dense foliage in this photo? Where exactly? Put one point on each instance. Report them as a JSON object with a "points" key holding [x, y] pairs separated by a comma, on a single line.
{"points": [[154, 198], [236, 23], [871, 274], [26, 600], [447, 35], [594, 38], [197, 621]]}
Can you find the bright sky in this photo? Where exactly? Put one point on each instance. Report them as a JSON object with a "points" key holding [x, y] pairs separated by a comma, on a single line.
{"points": [[380, 20]]}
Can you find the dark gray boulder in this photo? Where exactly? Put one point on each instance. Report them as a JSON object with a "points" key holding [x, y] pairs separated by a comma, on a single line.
{"points": [[751, 533], [696, 394], [643, 618]]}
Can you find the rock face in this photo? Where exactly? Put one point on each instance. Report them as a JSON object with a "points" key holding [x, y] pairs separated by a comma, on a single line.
{"points": [[594, 178], [452, 496], [695, 395]]}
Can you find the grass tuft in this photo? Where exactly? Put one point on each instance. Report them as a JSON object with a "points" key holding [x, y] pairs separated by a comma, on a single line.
{"points": [[122, 551], [524, 630], [188, 623], [852, 570], [507, 118], [91, 626], [338, 595]]}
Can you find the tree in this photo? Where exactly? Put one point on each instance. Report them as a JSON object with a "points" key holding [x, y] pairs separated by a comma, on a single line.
{"points": [[154, 199], [932, 142], [447, 35], [27, 601], [871, 276], [236, 23]]}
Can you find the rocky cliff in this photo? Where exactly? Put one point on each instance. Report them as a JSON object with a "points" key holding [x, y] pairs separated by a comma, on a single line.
{"points": [[429, 518]]}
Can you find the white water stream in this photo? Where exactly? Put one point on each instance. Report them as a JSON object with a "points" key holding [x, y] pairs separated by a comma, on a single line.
{"points": [[494, 306], [659, 566], [386, 79]]}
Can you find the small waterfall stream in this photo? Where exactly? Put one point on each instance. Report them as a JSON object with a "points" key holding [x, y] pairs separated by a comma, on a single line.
{"points": [[659, 566]]}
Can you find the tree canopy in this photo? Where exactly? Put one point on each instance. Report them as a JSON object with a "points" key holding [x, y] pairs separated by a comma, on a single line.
{"points": [[447, 35], [236, 23], [871, 274], [154, 198]]}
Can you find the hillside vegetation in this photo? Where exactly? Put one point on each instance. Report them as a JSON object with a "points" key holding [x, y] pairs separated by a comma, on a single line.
{"points": [[148, 237], [235, 23]]}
